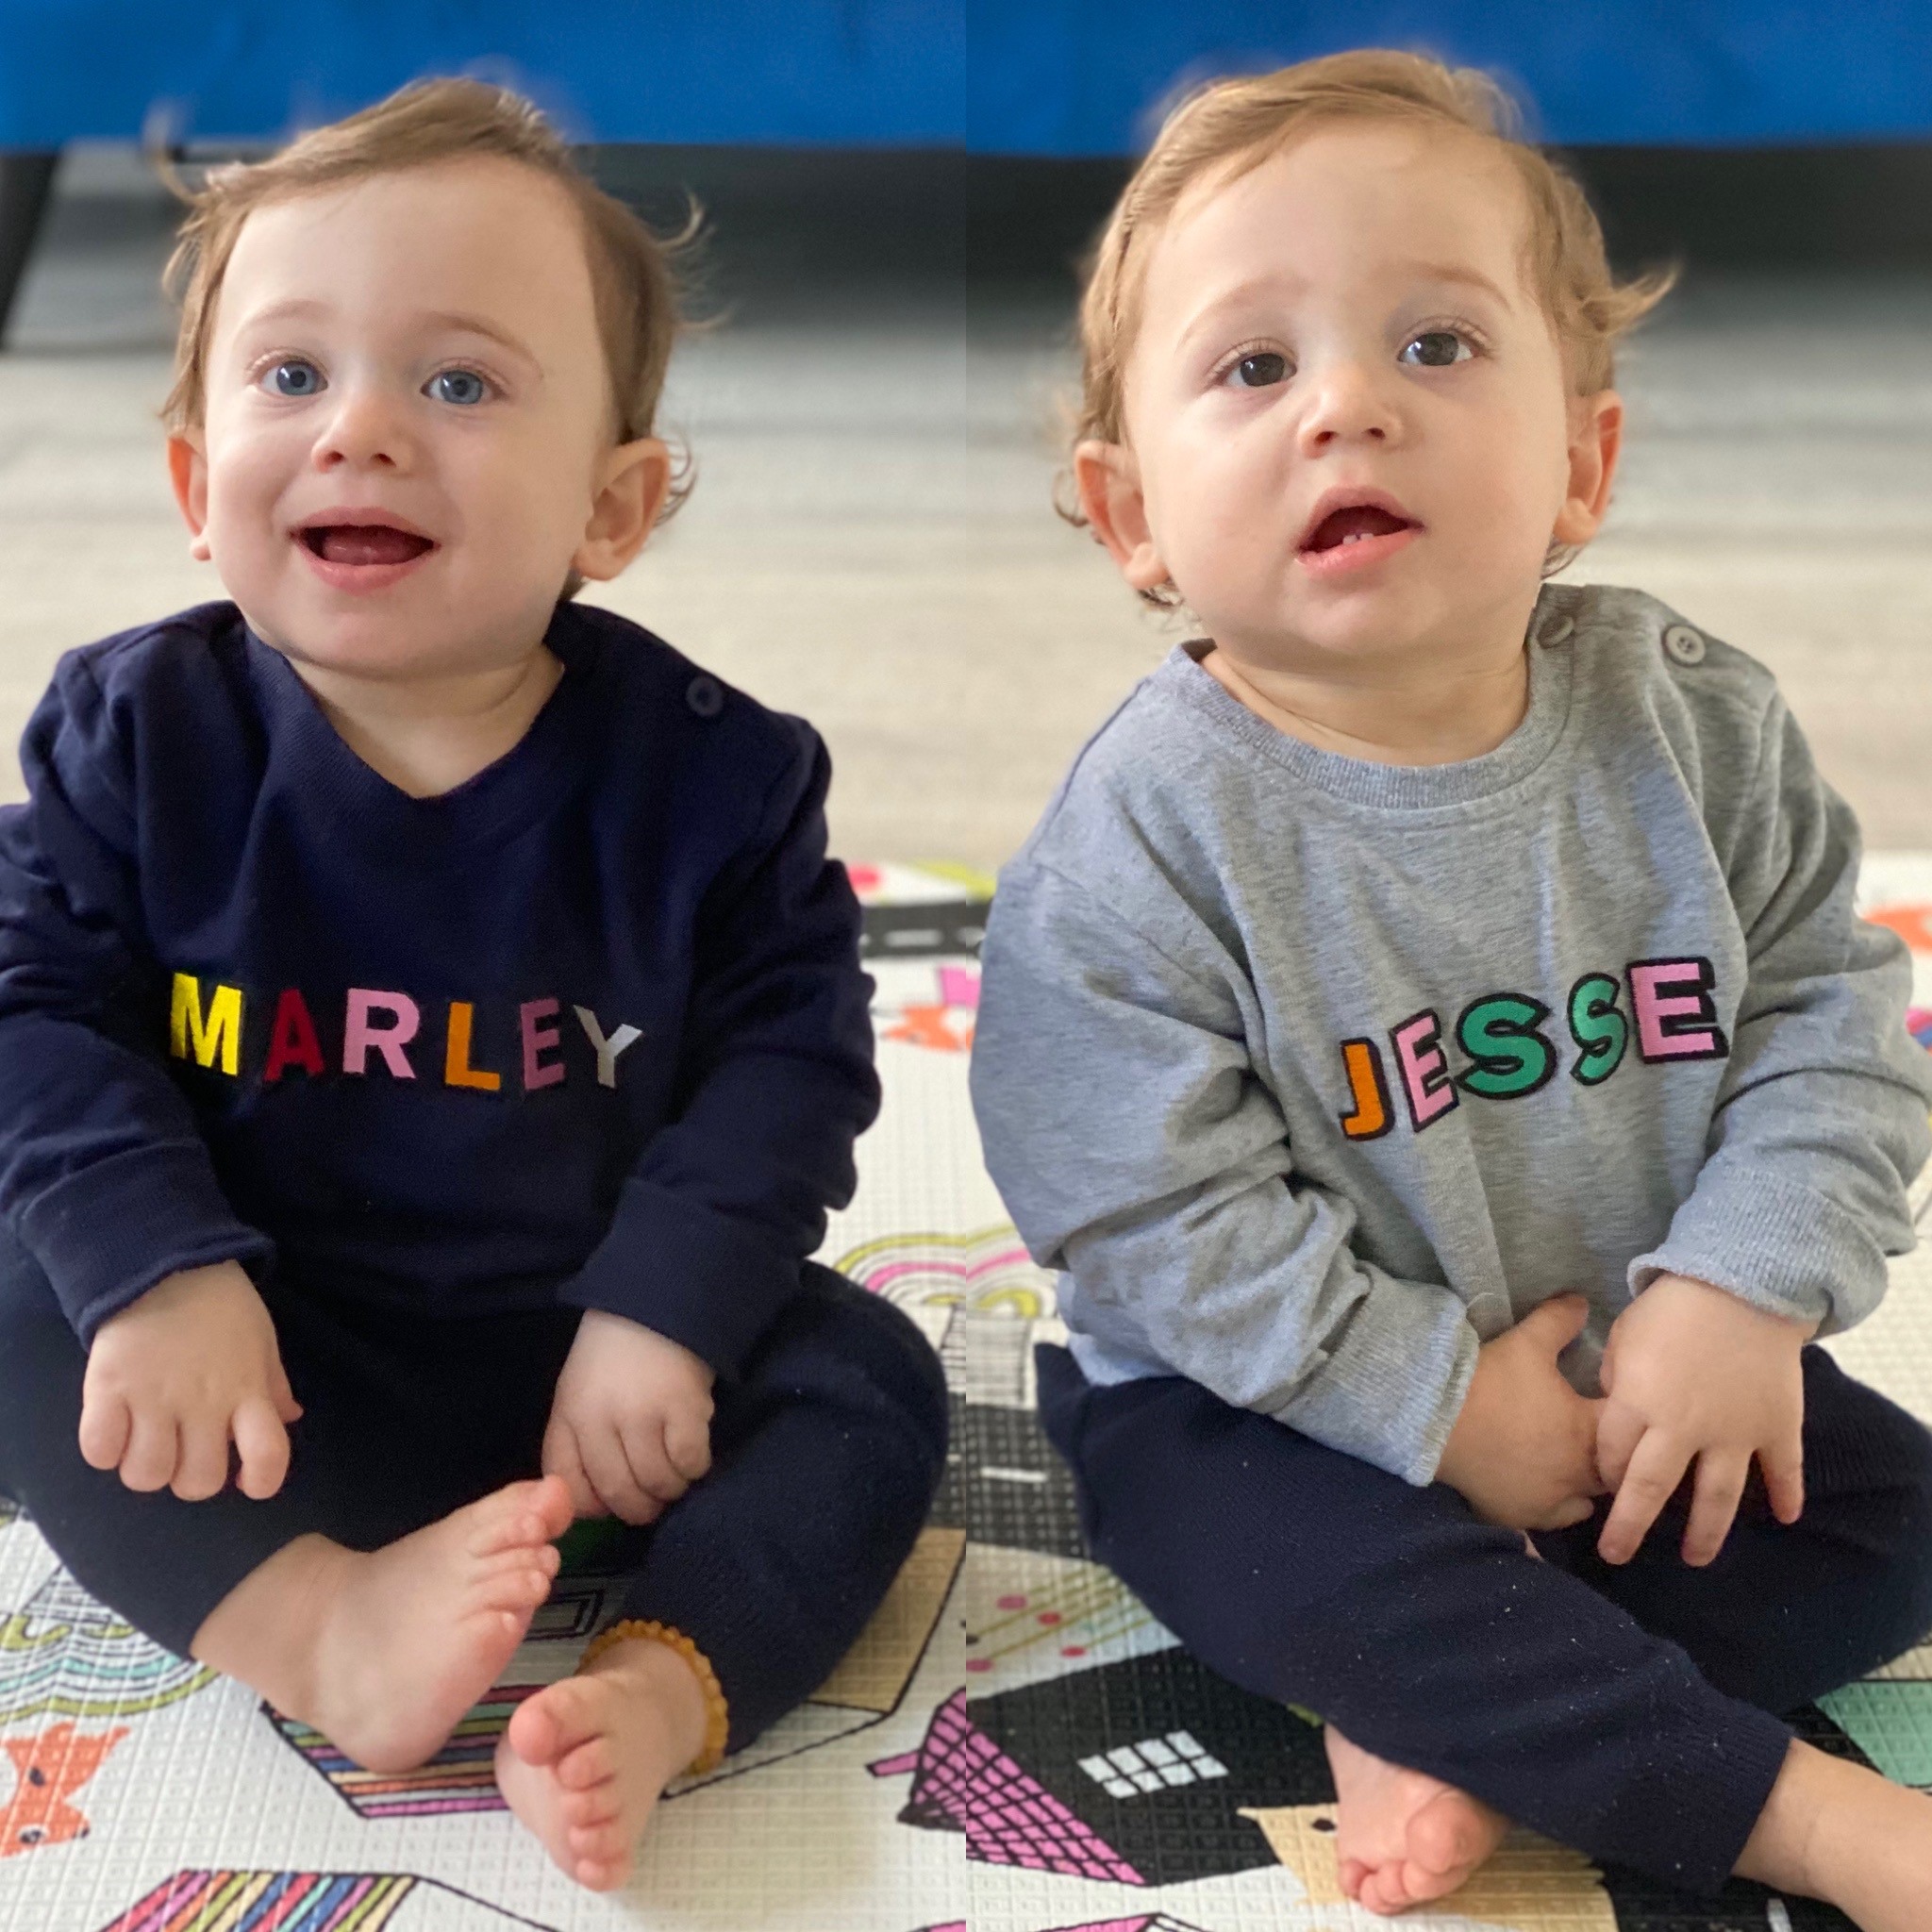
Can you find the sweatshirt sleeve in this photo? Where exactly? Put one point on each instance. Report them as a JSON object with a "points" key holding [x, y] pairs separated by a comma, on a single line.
{"points": [[775, 1083], [104, 1177], [1819, 1122], [1137, 1148]]}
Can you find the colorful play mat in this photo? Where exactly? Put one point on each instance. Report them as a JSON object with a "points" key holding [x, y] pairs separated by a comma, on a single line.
{"points": [[1014, 1746]]}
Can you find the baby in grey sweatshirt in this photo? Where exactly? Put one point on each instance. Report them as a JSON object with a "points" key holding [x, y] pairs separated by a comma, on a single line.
{"points": [[1310, 1074], [1431, 1016]]}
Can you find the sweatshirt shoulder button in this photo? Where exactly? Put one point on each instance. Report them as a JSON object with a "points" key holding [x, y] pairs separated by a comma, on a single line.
{"points": [[1683, 644], [705, 696]]}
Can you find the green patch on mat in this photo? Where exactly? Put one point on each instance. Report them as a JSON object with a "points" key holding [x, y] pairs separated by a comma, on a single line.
{"points": [[1890, 1722], [587, 1543]]}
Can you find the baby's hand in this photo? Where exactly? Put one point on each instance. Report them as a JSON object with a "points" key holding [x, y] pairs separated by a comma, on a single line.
{"points": [[630, 1426], [1523, 1451], [1691, 1370], [178, 1373]]}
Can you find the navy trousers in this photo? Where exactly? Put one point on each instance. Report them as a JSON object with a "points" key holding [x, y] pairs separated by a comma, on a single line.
{"points": [[1627, 1712], [826, 1457]]}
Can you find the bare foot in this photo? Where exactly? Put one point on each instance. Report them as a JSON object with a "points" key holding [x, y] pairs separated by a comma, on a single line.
{"points": [[383, 1652], [1402, 1837], [1838, 1831], [585, 1761]]}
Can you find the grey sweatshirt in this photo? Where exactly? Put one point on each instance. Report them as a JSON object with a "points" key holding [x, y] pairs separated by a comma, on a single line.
{"points": [[1310, 1074]]}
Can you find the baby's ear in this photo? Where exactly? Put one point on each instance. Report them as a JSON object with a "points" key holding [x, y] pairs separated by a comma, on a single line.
{"points": [[187, 473], [1596, 436], [1108, 481], [632, 482]]}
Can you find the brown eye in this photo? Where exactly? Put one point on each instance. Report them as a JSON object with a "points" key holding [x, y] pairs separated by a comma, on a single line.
{"points": [[1262, 370], [1436, 348]]}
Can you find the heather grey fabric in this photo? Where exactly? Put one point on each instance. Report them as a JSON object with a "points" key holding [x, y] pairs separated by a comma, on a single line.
{"points": [[1311, 1073]]}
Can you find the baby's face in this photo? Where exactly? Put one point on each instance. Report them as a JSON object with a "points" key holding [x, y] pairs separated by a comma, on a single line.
{"points": [[1348, 428], [408, 437]]}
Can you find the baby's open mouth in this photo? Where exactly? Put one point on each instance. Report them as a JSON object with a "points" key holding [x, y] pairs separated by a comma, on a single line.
{"points": [[368, 544], [1354, 523]]}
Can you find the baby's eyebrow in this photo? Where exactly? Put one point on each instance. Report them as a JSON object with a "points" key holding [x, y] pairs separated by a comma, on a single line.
{"points": [[479, 325], [1456, 272], [455, 321], [1208, 318]]}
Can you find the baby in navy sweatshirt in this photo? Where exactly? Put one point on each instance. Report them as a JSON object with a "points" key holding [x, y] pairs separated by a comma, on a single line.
{"points": [[431, 1030], [1431, 1033]]}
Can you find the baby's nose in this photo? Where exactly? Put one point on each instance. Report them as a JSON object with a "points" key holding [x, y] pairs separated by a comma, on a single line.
{"points": [[366, 428]]}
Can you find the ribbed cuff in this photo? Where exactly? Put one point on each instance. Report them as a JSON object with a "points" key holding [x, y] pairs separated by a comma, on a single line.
{"points": [[1390, 1390], [695, 1276], [1775, 1243], [107, 1235], [1716, 1800]]}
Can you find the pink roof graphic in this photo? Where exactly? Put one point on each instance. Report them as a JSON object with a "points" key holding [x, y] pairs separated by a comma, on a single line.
{"points": [[962, 1781]]}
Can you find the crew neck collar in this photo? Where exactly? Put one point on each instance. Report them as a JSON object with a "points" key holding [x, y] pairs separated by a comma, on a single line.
{"points": [[494, 804], [1404, 787]]}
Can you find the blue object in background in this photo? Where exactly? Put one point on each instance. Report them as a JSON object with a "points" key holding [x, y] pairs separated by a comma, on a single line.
{"points": [[1061, 78], [1088, 76], [833, 72]]}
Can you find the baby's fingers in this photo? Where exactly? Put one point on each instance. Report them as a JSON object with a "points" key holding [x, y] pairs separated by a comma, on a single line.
{"points": [[153, 1449], [1654, 1473], [262, 1444], [688, 1444], [650, 1464], [1720, 1483], [1619, 1429], [608, 1464], [1784, 1478], [200, 1469], [106, 1424], [562, 1458], [286, 1405]]}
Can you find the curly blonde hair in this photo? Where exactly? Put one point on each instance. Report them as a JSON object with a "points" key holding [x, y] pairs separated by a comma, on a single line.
{"points": [[1233, 126], [633, 282]]}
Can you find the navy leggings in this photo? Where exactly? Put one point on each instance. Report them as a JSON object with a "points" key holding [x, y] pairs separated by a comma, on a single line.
{"points": [[825, 1456], [1626, 1711]]}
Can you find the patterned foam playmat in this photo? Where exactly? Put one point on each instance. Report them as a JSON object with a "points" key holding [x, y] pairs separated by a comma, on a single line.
{"points": [[1015, 1745]]}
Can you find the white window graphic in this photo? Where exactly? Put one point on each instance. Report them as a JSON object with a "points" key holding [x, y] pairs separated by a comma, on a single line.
{"points": [[1155, 1764]]}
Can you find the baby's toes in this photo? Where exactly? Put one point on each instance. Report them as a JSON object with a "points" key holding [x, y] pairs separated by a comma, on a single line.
{"points": [[602, 1855], [589, 1764], [525, 1514], [1383, 1889], [1441, 1837], [510, 1587], [602, 1874], [539, 1730], [550, 1499], [590, 1810]]}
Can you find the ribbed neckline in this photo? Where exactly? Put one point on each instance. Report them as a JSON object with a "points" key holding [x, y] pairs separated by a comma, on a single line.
{"points": [[359, 805], [1407, 788]]}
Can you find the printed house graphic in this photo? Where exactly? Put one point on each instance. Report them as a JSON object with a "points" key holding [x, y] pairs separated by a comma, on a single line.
{"points": [[1154, 1771], [1137, 1773], [205, 1901]]}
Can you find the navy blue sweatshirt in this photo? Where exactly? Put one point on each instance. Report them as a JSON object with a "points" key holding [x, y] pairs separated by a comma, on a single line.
{"points": [[588, 1029]]}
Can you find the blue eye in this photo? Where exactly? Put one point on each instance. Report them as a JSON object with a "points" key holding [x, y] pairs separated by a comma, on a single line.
{"points": [[457, 386], [295, 377], [1439, 348], [1262, 370]]}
